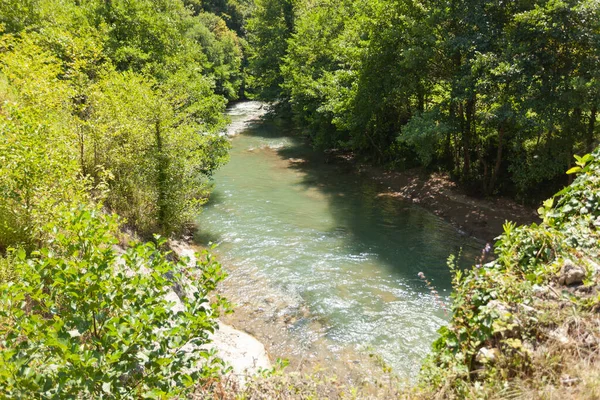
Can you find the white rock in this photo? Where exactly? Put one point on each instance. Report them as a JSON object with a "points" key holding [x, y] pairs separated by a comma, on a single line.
{"points": [[244, 353], [485, 355]]}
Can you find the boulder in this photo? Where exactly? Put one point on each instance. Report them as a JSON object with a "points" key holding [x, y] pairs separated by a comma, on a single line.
{"points": [[571, 274], [486, 355], [244, 353]]}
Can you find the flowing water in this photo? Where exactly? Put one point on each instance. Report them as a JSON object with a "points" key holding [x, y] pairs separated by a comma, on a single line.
{"points": [[324, 236]]}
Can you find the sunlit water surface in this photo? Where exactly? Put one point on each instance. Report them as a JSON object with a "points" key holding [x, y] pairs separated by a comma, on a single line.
{"points": [[327, 237]]}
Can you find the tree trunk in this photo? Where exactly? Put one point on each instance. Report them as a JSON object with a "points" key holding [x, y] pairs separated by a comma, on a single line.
{"points": [[421, 99], [162, 177], [81, 153], [590, 130], [496, 171], [467, 130]]}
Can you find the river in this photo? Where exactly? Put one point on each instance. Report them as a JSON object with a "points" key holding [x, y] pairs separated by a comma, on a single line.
{"points": [[287, 221]]}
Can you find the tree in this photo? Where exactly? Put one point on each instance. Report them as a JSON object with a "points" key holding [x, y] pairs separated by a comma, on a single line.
{"points": [[269, 27]]}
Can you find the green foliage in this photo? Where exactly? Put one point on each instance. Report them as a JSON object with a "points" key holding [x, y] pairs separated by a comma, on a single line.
{"points": [[80, 320], [151, 140], [37, 170], [233, 12], [223, 50], [320, 68], [107, 107], [499, 95], [269, 27], [486, 299], [133, 90]]}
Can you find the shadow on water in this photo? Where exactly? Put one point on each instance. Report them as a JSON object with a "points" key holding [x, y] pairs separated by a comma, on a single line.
{"points": [[402, 235]]}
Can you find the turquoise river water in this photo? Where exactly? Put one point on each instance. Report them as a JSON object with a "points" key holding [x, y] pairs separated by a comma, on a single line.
{"points": [[327, 237]]}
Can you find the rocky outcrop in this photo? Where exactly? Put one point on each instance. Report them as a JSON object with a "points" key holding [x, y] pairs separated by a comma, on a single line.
{"points": [[571, 274]]}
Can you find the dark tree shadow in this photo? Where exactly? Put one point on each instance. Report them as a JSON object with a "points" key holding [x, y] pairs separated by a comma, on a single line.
{"points": [[405, 237]]}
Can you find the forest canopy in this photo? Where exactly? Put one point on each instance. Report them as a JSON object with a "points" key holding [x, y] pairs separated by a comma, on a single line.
{"points": [[126, 93], [500, 95]]}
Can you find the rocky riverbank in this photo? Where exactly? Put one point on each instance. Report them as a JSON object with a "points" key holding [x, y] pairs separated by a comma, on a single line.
{"points": [[244, 353]]}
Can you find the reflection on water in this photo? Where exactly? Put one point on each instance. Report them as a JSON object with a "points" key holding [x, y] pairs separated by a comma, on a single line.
{"points": [[323, 235]]}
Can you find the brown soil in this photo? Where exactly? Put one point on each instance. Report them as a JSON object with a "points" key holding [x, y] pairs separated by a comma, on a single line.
{"points": [[480, 218]]}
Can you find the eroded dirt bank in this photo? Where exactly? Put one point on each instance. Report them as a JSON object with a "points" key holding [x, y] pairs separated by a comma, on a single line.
{"points": [[480, 218]]}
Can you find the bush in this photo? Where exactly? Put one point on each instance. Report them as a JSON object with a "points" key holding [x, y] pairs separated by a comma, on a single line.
{"points": [[80, 321], [37, 167], [511, 309]]}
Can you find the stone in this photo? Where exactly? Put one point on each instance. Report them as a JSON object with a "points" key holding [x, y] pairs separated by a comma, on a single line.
{"points": [[501, 309], [560, 335], [527, 309], [540, 291], [486, 355], [244, 353], [571, 274]]}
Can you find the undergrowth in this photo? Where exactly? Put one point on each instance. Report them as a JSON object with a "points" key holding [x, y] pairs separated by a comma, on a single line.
{"points": [[527, 325]]}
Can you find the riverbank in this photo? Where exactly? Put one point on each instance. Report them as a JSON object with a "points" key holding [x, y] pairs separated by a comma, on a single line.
{"points": [[476, 217], [322, 269], [241, 351], [317, 258], [531, 316], [281, 313]]}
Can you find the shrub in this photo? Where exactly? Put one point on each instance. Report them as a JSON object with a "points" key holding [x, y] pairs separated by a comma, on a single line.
{"points": [[80, 321], [500, 308]]}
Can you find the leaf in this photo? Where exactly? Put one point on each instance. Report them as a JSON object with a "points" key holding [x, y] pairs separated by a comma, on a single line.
{"points": [[514, 343], [587, 158], [573, 170]]}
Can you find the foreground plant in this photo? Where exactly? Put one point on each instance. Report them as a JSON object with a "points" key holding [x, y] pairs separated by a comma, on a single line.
{"points": [[527, 324], [80, 321]]}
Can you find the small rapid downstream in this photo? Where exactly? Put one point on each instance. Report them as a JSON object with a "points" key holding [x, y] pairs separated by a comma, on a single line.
{"points": [[289, 223]]}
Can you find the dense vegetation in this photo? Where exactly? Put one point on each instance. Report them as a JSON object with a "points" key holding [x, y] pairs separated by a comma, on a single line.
{"points": [[114, 92], [499, 95], [110, 119], [526, 324]]}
